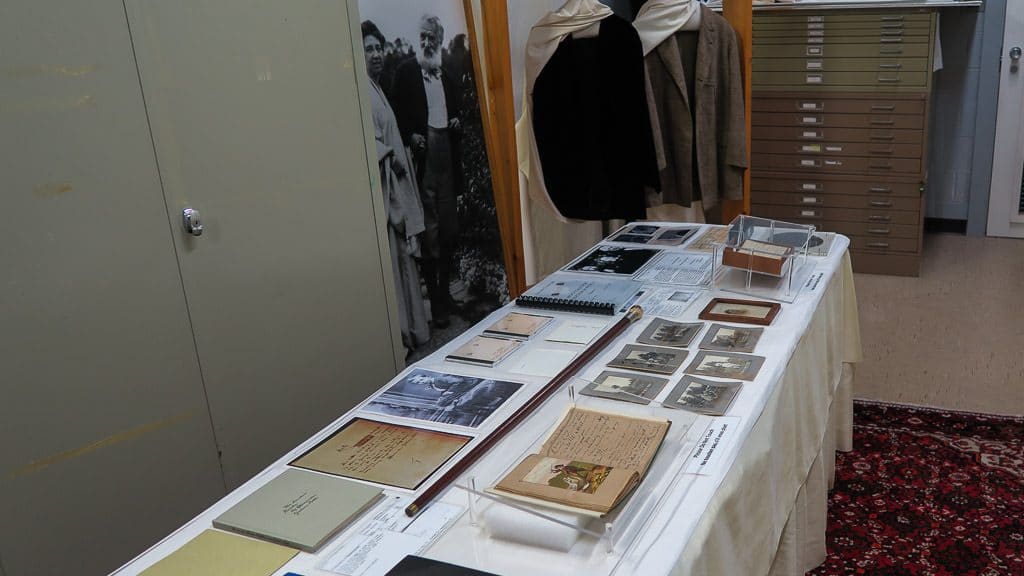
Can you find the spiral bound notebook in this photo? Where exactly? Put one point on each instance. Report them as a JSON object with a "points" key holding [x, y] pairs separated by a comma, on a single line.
{"points": [[558, 292]]}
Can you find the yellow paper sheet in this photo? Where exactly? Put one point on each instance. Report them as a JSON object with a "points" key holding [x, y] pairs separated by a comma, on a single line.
{"points": [[214, 553]]}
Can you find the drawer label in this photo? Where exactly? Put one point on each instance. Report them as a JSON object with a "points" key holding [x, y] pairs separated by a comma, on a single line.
{"points": [[818, 40], [811, 148], [833, 163], [815, 18], [833, 148], [810, 199], [809, 106], [808, 163], [815, 32], [812, 134], [814, 78], [810, 120], [815, 25], [815, 50], [808, 213], [814, 64], [810, 187]]}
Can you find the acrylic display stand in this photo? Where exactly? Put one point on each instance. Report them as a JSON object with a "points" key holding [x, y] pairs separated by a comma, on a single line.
{"points": [[740, 263], [605, 544]]}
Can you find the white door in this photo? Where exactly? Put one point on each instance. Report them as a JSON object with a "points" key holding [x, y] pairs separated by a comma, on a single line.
{"points": [[255, 112], [105, 437], [1006, 202]]}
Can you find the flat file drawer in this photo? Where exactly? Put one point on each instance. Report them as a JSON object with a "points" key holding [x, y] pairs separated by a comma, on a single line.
{"points": [[823, 64], [837, 164], [876, 244], [822, 215], [843, 50], [820, 103], [823, 134], [897, 210], [829, 120], [869, 149], [814, 30], [866, 16], [869, 192], [878, 39], [801, 80], [772, 26]]}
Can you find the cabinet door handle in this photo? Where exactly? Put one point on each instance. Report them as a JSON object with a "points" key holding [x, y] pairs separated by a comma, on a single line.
{"points": [[878, 230], [879, 190], [879, 218], [881, 204], [878, 244]]}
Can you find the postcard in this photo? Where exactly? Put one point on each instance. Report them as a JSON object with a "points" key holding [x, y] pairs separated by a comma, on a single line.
{"points": [[662, 332], [703, 396], [383, 453], [484, 350], [649, 358], [725, 365], [518, 325], [731, 338], [628, 387], [445, 398]]}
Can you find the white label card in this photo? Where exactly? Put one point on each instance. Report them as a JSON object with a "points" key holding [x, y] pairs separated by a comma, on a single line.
{"points": [[810, 213], [810, 120], [814, 64], [810, 199], [706, 458], [812, 134], [814, 78]]}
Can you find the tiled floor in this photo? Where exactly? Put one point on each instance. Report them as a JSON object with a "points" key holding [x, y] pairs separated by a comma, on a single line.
{"points": [[952, 338]]}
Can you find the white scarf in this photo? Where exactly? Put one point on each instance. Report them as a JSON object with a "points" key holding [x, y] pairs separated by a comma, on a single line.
{"points": [[545, 36], [658, 20]]}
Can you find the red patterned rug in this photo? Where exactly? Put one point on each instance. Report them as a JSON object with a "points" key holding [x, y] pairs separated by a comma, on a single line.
{"points": [[928, 492]]}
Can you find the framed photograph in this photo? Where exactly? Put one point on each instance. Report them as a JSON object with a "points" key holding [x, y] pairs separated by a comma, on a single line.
{"points": [[731, 338], [626, 387], [444, 398], [649, 359], [383, 453], [741, 311], [620, 260], [662, 332], [703, 396], [725, 365]]}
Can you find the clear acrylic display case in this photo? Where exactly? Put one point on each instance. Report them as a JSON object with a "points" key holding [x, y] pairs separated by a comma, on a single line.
{"points": [[764, 258]]}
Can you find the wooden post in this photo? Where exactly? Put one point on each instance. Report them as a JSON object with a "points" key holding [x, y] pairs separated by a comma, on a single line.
{"points": [[497, 108], [740, 14]]}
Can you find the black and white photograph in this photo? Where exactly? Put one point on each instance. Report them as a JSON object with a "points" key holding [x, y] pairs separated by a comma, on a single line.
{"points": [[649, 359], [731, 338], [662, 332], [674, 236], [435, 178], [627, 387], [703, 396], [725, 365], [613, 260], [444, 398]]}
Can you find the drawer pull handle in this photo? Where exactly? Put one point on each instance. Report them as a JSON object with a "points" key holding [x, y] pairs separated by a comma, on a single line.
{"points": [[883, 108], [878, 244], [809, 214], [880, 166], [879, 190], [886, 32], [888, 151], [810, 186], [811, 200], [879, 218], [812, 106], [891, 50], [885, 80], [886, 40], [878, 230], [892, 18], [883, 137], [810, 163], [881, 204], [892, 25], [881, 122], [890, 66]]}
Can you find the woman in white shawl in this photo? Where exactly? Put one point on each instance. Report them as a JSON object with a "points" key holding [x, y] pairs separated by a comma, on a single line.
{"points": [[401, 197]]}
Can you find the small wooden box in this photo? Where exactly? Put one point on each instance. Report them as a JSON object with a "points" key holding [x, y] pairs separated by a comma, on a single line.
{"points": [[760, 257]]}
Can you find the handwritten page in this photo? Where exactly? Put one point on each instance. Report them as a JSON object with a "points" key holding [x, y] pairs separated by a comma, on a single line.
{"points": [[390, 454], [607, 438]]}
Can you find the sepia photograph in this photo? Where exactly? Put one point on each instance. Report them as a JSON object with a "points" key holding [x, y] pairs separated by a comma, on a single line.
{"points": [[731, 338], [741, 311], [738, 366], [570, 475], [518, 325], [649, 358], [444, 398], [703, 396], [627, 387], [613, 260], [434, 170], [662, 332]]}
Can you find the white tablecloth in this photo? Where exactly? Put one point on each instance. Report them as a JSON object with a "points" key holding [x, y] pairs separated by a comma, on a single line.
{"points": [[762, 512]]}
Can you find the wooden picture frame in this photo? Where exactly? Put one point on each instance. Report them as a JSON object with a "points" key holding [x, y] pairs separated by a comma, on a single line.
{"points": [[756, 312]]}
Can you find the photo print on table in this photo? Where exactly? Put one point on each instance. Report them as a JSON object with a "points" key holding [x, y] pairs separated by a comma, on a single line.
{"points": [[620, 260], [443, 398], [741, 311], [731, 338], [634, 388], [662, 332], [725, 365], [703, 396], [674, 236], [518, 325], [649, 358]]}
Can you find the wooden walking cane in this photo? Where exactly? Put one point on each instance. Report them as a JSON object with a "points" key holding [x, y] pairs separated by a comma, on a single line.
{"points": [[632, 315]]}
